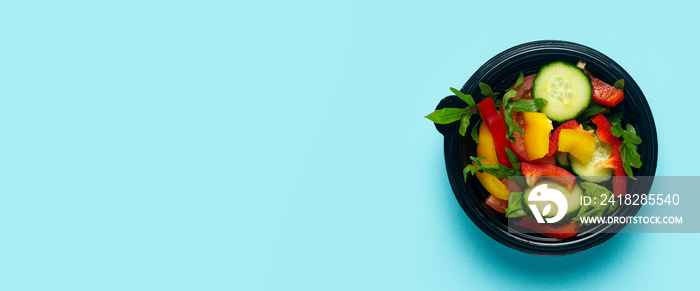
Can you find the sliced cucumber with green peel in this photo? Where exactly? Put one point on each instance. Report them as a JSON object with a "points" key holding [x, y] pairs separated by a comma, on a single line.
{"points": [[589, 171], [566, 88], [572, 200], [562, 159]]}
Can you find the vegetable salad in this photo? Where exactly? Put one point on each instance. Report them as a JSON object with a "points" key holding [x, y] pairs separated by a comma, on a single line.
{"points": [[557, 123]]}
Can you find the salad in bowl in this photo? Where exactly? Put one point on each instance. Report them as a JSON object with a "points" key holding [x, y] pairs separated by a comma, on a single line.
{"points": [[553, 124]]}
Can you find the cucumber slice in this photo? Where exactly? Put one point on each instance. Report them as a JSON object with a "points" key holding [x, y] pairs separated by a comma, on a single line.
{"points": [[589, 171], [573, 199], [562, 159], [566, 88]]}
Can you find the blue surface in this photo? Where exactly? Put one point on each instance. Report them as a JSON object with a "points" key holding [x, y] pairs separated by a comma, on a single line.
{"points": [[281, 145]]}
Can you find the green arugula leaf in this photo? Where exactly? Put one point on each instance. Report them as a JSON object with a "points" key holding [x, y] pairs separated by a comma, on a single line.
{"points": [[592, 110], [519, 81], [448, 115], [465, 97], [616, 130], [475, 131], [498, 171], [631, 135], [595, 192], [615, 118], [521, 105], [515, 205], [619, 84], [511, 126], [629, 143], [486, 91], [464, 124], [513, 159], [524, 105], [630, 157]]}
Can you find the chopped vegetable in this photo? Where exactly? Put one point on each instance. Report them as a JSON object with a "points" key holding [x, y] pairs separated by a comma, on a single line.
{"points": [[566, 88], [534, 172], [605, 94], [489, 115], [493, 185], [577, 142], [524, 91], [554, 139], [615, 160], [596, 193], [485, 148], [497, 204], [591, 170], [515, 205], [550, 230], [536, 136]]}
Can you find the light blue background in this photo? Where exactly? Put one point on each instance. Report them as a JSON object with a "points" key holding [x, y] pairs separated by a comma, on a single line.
{"points": [[225, 145]]}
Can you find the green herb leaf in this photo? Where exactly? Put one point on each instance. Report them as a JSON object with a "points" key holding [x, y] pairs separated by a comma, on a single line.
{"points": [[631, 135], [515, 205], [619, 84], [521, 105], [519, 81], [629, 143], [486, 91], [513, 159], [616, 130], [511, 126], [595, 192], [592, 110], [449, 115], [475, 131], [524, 105], [630, 157], [498, 171], [510, 93], [615, 118], [465, 97], [464, 124]]}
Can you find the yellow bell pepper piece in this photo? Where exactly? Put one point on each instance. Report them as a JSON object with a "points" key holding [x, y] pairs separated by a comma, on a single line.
{"points": [[486, 148], [579, 143], [493, 185], [536, 137]]}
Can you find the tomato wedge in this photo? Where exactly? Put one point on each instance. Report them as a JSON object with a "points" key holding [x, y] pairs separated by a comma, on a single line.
{"points": [[497, 204], [524, 91], [550, 230]]}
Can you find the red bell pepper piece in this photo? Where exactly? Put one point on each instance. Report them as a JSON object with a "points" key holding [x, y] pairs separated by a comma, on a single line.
{"points": [[605, 94], [550, 230], [533, 173], [554, 138], [497, 127], [497, 204], [615, 160]]}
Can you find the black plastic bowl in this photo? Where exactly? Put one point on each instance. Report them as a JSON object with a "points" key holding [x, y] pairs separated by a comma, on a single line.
{"points": [[500, 72]]}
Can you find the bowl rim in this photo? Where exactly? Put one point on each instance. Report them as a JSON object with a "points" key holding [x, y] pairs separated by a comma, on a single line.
{"points": [[453, 151]]}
